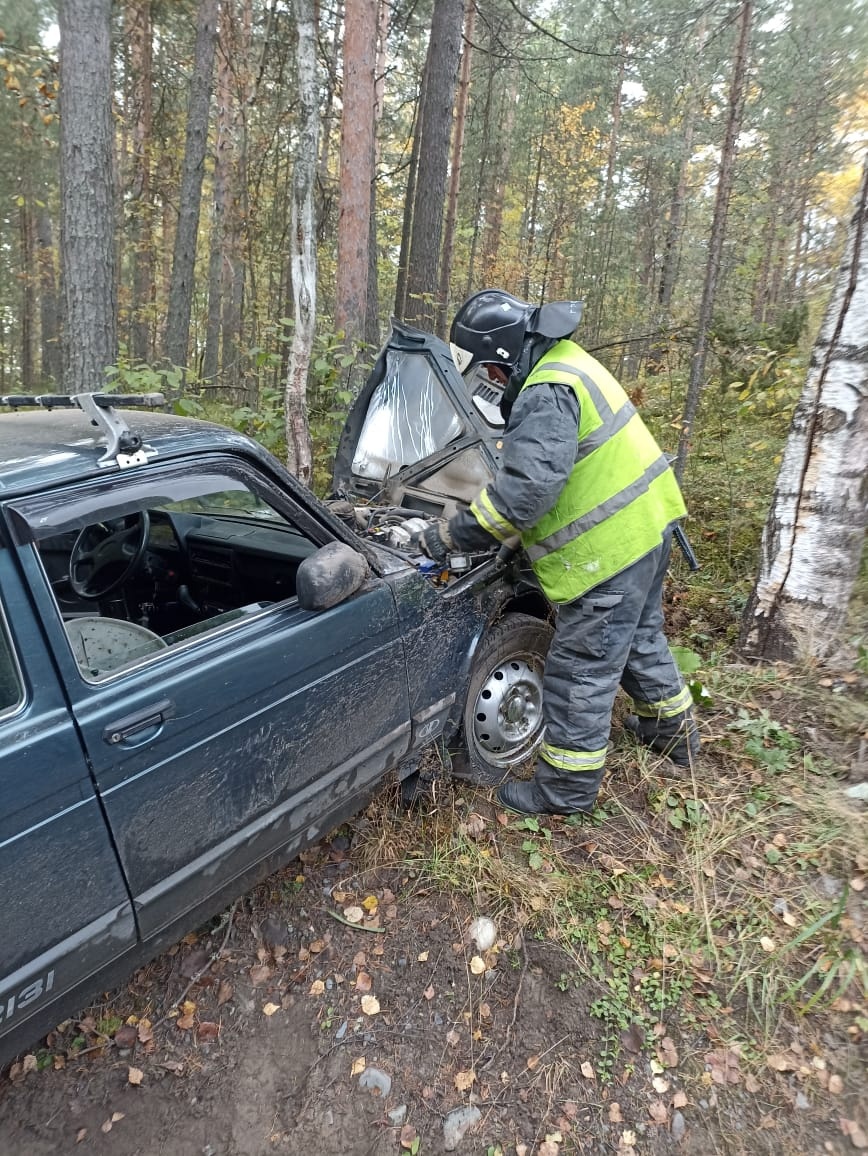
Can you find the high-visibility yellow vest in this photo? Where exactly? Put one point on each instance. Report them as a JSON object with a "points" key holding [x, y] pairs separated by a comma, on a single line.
{"points": [[619, 498]]}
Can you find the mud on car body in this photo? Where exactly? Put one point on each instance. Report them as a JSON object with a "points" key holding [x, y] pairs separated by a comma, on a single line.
{"points": [[203, 668]]}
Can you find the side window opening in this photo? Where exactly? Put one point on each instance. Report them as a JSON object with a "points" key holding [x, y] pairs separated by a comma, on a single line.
{"points": [[140, 571], [11, 689]]}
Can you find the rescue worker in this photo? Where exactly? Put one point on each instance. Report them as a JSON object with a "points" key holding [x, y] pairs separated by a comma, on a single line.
{"points": [[588, 491]]}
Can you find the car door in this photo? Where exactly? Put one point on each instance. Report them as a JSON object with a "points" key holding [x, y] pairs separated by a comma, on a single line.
{"points": [[64, 909], [237, 743]]}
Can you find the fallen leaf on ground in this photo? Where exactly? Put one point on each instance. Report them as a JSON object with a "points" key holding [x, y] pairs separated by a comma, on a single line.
{"points": [[224, 992], [658, 1112], [549, 1148], [668, 1053], [783, 1062], [836, 1085], [370, 903], [679, 1100], [359, 1066], [193, 963], [587, 1070], [80, 1135], [751, 1084], [370, 1005], [422, 957], [724, 1066], [135, 1076], [354, 914], [145, 1031], [316, 988], [477, 965], [428, 993], [207, 1031], [453, 1038], [408, 1136], [107, 1125], [660, 1085], [615, 1116], [767, 943], [260, 973], [363, 982], [632, 1038], [184, 1023], [270, 1008], [532, 1062], [464, 1080]]}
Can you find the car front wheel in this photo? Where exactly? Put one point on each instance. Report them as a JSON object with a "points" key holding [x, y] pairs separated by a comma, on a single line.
{"points": [[503, 720]]}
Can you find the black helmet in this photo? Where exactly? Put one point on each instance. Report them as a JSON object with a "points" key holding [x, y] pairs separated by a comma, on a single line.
{"points": [[492, 326]]}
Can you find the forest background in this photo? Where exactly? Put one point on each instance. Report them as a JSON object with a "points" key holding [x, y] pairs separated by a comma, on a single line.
{"points": [[266, 182]]}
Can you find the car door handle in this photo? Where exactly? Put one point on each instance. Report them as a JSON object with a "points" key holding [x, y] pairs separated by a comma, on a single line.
{"points": [[142, 720]]}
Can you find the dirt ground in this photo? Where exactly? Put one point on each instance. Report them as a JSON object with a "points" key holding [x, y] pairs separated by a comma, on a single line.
{"points": [[310, 1033]]}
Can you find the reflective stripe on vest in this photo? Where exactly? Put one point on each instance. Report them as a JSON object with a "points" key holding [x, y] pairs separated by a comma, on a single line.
{"points": [[621, 494]]}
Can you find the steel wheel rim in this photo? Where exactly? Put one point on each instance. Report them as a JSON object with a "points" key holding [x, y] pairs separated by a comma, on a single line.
{"points": [[507, 713]]}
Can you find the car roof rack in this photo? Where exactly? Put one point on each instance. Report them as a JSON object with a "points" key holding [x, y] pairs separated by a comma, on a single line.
{"points": [[123, 447]]}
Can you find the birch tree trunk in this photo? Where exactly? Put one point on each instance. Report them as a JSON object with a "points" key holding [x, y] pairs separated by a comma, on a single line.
{"points": [[814, 536], [302, 242], [87, 194], [186, 234]]}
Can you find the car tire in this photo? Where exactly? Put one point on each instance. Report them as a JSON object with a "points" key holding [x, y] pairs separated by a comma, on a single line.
{"points": [[502, 725]]}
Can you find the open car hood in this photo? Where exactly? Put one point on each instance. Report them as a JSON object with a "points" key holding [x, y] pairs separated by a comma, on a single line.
{"points": [[419, 435]]}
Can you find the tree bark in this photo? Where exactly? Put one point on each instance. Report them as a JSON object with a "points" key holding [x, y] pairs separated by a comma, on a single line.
{"points": [[357, 167], [737, 92], [27, 243], [49, 317], [409, 202], [138, 20], [186, 233], [303, 247], [87, 193], [815, 533], [447, 258], [441, 68], [216, 253]]}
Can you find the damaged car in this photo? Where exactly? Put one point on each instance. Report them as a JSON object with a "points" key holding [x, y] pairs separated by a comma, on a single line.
{"points": [[204, 668]]}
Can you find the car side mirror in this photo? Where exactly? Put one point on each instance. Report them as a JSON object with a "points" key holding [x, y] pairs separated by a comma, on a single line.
{"points": [[329, 576]]}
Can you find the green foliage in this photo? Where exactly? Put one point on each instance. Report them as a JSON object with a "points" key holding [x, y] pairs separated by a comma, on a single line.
{"points": [[129, 376], [768, 743]]}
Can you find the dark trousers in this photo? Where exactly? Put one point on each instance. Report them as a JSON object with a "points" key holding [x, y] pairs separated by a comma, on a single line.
{"points": [[611, 636]]}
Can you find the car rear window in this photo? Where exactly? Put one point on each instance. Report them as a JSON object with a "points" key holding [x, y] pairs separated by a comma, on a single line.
{"points": [[11, 690]]}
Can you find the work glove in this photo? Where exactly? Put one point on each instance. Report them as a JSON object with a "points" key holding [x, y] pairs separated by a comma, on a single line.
{"points": [[435, 542]]}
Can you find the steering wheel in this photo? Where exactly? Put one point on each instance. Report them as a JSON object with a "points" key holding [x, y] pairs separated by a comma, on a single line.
{"points": [[107, 553]]}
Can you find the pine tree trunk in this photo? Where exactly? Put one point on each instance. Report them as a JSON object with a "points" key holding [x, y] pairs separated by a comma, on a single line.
{"points": [[87, 193], [303, 246], [27, 244], [444, 49], [484, 150], [737, 91], [409, 202], [193, 170], [815, 533], [455, 169], [49, 316], [220, 180], [495, 200], [138, 20], [357, 168]]}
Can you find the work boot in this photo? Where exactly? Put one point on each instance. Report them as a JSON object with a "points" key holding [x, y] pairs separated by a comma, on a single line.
{"points": [[677, 739], [551, 791]]}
